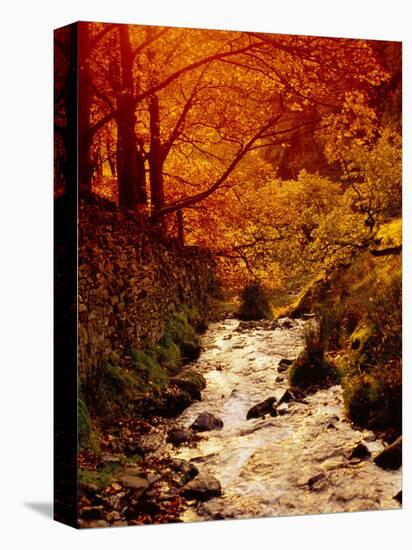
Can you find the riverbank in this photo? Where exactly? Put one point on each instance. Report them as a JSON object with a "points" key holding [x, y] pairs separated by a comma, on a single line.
{"points": [[300, 461]]}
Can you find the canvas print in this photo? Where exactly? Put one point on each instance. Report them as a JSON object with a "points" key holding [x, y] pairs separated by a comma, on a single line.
{"points": [[227, 274]]}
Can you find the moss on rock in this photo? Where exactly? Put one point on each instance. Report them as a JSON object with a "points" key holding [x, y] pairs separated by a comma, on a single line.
{"points": [[190, 381], [309, 373]]}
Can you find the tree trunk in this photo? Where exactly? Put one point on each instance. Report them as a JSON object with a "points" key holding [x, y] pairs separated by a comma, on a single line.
{"points": [[131, 182], [155, 157], [110, 157]]}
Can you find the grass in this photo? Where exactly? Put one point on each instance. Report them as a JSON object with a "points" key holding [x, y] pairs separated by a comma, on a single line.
{"points": [[311, 370], [102, 478]]}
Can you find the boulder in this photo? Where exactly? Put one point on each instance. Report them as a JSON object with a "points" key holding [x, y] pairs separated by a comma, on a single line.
{"points": [[177, 436], [284, 364], [190, 381], [263, 408], [206, 422], [287, 397], [174, 401], [391, 457], [190, 351], [203, 487], [360, 451], [314, 480], [185, 470], [135, 483]]}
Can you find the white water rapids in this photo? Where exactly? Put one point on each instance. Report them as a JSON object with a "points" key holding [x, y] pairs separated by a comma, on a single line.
{"points": [[264, 465]]}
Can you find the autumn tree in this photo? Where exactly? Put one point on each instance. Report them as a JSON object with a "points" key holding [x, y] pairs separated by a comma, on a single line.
{"points": [[209, 123]]}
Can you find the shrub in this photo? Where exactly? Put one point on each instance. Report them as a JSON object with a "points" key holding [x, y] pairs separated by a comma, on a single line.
{"points": [[179, 333], [311, 370], [255, 305], [372, 380], [374, 399]]}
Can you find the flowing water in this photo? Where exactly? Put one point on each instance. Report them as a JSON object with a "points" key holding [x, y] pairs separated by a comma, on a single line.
{"points": [[297, 463]]}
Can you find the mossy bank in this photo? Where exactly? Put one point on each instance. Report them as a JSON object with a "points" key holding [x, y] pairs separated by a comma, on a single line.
{"points": [[361, 308]]}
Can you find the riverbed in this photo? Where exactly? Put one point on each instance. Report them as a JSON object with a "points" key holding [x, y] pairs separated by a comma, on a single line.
{"points": [[295, 463]]}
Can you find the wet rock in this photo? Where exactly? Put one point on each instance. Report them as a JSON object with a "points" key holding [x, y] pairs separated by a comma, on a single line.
{"points": [[287, 397], [203, 487], [190, 381], [177, 436], [311, 371], [190, 351], [206, 422], [286, 323], [135, 483], [360, 451], [283, 409], [314, 480], [186, 470], [203, 458], [398, 497], [391, 457], [284, 364], [175, 401], [263, 408]]}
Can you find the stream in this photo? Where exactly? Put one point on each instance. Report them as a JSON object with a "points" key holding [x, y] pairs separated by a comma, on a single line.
{"points": [[297, 463]]}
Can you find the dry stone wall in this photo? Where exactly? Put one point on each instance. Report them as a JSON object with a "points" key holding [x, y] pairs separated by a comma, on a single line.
{"points": [[130, 281]]}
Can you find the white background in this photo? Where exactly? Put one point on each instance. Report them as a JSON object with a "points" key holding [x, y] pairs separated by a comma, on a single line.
{"points": [[26, 270]]}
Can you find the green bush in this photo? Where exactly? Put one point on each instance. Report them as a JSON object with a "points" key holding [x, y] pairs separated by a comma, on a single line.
{"points": [[374, 399], [255, 304]]}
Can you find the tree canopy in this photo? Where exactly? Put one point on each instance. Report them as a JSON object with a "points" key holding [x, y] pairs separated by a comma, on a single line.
{"points": [[280, 153]]}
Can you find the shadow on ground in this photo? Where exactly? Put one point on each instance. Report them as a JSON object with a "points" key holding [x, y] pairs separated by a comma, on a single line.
{"points": [[45, 509]]}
